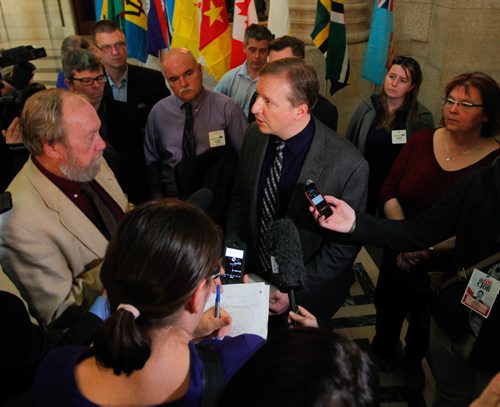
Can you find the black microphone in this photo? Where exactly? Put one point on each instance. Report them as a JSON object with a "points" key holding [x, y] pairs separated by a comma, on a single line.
{"points": [[287, 258]]}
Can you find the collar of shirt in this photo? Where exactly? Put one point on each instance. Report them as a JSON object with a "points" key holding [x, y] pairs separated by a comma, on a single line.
{"points": [[243, 71], [119, 91], [296, 144], [196, 102], [68, 187]]}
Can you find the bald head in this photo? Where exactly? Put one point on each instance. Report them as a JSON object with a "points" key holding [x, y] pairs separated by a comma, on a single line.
{"points": [[183, 74]]}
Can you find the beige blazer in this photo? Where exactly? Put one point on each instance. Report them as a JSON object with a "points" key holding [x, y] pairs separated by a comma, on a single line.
{"points": [[50, 250]]}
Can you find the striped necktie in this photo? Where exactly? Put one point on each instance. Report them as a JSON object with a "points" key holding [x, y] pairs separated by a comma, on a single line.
{"points": [[268, 213]]}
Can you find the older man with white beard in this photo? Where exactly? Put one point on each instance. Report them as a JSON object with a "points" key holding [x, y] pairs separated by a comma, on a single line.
{"points": [[66, 204]]}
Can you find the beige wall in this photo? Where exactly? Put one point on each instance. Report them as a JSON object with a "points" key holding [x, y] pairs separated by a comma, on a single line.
{"points": [[35, 19]]}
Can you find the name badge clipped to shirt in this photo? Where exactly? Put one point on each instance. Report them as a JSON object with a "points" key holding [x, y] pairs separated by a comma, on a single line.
{"points": [[481, 293], [398, 136], [216, 138]]}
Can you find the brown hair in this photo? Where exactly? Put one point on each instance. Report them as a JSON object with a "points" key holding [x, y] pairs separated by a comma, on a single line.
{"points": [[490, 96], [414, 72], [301, 76], [159, 254], [296, 45], [42, 120]]}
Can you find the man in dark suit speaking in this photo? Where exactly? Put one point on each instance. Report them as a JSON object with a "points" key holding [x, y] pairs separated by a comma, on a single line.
{"points": [[283, 149]]}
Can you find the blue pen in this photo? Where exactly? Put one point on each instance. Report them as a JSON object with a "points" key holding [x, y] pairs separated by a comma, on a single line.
{"points": [[217, 301]]}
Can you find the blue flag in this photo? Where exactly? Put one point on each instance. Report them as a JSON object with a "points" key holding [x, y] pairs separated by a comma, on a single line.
{"points": [[379, 49], [135, 26]]}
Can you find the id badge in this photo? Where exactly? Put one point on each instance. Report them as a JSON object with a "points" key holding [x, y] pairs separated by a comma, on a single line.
{"points": [[481, 293], [398, 136], [216, 138]]}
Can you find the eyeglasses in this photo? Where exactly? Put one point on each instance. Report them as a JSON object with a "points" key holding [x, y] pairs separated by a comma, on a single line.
{"points": [[216, 273], [90, 81], [117, 46], [466, 105]]}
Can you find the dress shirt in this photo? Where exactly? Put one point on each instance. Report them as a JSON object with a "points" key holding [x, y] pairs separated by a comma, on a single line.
{"points": [[119, 91], [211, 112], [294, 155], [239, 86]]}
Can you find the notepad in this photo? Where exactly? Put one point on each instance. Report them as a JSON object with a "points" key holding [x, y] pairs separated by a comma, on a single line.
{"points": [[248, 305]]}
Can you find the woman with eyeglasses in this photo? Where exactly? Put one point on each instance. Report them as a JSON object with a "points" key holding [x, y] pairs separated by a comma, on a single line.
{"points": [[158, 274], [385, 122], [425, 169]]}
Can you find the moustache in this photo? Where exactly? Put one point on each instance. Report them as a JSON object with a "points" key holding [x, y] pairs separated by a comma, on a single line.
{"points": [[187, 88]]}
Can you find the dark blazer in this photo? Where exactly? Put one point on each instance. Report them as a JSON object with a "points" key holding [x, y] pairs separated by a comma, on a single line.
{"points": [[145, 88], [338, 169], [125, 124]]}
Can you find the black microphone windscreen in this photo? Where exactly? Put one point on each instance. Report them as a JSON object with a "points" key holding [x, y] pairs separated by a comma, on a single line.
{"points": [[202, 198], [284, 244]]}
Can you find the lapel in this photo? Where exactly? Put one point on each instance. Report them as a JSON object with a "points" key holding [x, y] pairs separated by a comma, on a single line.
{"points": [[253, 169], [311, 169], [71, 218]]}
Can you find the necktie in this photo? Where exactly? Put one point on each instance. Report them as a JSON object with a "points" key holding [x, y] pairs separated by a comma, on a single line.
{"points": [[269, 198], [188, 142], [105, 214]]}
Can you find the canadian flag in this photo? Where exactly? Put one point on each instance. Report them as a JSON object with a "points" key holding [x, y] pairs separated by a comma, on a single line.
{"points": [[244, 15]]}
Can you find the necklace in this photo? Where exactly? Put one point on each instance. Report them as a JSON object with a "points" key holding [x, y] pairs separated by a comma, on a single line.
{"points": [[450, 157]]}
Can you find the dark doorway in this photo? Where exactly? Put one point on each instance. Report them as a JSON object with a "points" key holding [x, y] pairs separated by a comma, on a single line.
{"points": [[84, 15]]}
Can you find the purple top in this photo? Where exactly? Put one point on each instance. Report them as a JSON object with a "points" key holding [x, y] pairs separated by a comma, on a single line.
{"points": [[55, 382]]}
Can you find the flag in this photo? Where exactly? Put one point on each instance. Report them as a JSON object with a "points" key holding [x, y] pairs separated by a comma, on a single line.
{"points": [[215, 37], [169, 14], [186, 26], [108, 9], [158, 38], [278, 21], [245, 14], [379, 50], [135, 26], [330, 37]]}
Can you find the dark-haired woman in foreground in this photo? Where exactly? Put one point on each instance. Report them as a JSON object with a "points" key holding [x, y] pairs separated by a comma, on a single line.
{"points": [[158, 273]]}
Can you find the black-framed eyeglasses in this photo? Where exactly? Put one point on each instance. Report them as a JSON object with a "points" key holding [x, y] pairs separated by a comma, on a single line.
{"points": [[466, 105], [90, 81], [118, 46]]}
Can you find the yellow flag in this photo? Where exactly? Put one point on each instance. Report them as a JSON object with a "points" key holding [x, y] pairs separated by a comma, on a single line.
{"points": [[186, 26]]}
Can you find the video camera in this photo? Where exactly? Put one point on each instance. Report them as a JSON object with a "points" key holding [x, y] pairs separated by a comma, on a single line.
{"points": [[12, 104]]}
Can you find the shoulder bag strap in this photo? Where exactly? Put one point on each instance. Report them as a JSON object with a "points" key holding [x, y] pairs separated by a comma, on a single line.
{"points": [[464, 274]]}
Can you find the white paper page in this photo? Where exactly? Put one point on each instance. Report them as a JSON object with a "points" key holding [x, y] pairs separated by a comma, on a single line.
{"points": [[248, 305]]}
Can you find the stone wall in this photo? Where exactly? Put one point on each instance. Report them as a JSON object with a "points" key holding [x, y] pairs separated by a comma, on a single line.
{"points": [[447, 37]]}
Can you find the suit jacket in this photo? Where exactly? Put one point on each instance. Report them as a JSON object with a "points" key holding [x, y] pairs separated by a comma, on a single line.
{"points": [[125, 125], [338, 169], [145, 88], [50, 250]]}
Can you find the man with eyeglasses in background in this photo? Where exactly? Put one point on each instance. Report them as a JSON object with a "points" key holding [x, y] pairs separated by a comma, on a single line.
{"points": [[139, 87], [130, 92]]}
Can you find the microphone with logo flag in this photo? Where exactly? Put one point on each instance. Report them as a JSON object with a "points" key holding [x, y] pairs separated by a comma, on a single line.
{"points": [[285, 249]]}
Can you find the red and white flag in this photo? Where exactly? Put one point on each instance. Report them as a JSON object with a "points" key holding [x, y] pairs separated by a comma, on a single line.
{"points": [[244, 15]]}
